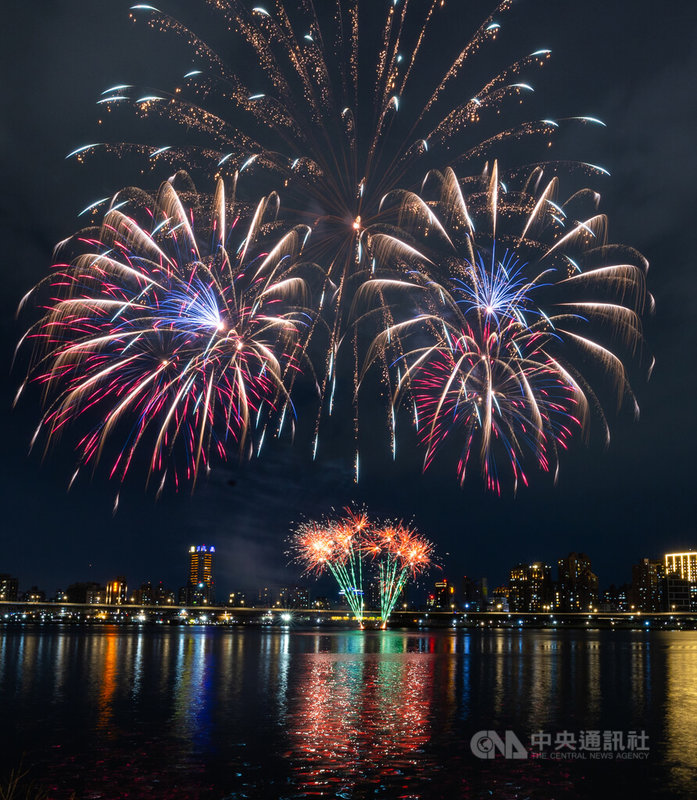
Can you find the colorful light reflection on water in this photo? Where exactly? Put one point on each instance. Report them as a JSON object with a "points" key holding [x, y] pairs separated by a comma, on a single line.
{"points": [[203, 713]]}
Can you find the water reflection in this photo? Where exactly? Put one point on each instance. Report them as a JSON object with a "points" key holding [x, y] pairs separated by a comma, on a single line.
{"points": [[541, 677], [681, 711], [193, 689], [107, 655], [360, 715], [198, 713], [60, 667]]}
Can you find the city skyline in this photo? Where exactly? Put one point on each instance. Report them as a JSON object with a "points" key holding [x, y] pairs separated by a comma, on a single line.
{"points": [[655, 584]]}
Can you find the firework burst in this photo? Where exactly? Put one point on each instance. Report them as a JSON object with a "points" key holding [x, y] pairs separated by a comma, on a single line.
{"points": [[193, 343], [338, 546], [170, 333], [342, 545], [525, 294], [335, 131], [401, 553]]}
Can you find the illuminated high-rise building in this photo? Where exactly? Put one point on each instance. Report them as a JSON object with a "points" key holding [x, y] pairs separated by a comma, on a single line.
{"points": [[531, 587], [199, 589], [681, 581], [578, 586], [201, 565], [117, 591], [682, 564], [648, 586]]}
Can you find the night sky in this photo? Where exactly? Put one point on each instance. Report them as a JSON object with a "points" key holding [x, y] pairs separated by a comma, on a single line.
{"points": [[624, 62]]}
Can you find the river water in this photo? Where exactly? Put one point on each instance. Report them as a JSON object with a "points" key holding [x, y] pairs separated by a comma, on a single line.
{"points": [[194, 712]]}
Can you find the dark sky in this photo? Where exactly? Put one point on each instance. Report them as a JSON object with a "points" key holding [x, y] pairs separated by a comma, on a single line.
{"points": [[624, 62]]}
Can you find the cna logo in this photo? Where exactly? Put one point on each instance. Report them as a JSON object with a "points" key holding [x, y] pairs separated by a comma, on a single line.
{"points": [[485, 744]]}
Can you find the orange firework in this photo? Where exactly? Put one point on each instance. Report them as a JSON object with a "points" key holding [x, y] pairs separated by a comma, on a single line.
{"points": [[404, 552], [340, 546], [414, 551], [315, 546]]}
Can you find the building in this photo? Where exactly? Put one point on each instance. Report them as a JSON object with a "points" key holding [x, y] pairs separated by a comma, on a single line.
{"points": [[648, 591], [264, 597], [443, 595], [117, 591], [577, 587], [9, 587], [475, 593], [498, 600], [682, 564], [95, 594], [162, 596], [294, 597], [616, 598], [144, 596], [201, 565], [680, 594], [237, 599], [372, 595], [531, 588], [200, 588], [149, 595], [79, 592]]}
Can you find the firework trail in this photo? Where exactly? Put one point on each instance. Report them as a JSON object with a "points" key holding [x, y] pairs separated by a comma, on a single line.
{"points": [[402, 553], [170, 331], [338, 546], [341, 545], [335, 133], [525, 294]]}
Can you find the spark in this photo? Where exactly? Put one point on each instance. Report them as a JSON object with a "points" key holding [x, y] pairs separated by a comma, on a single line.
{"points": [[166, 344]]}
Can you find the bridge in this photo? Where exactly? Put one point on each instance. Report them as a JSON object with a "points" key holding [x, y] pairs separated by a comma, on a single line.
{"points": [[24, 612]]}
